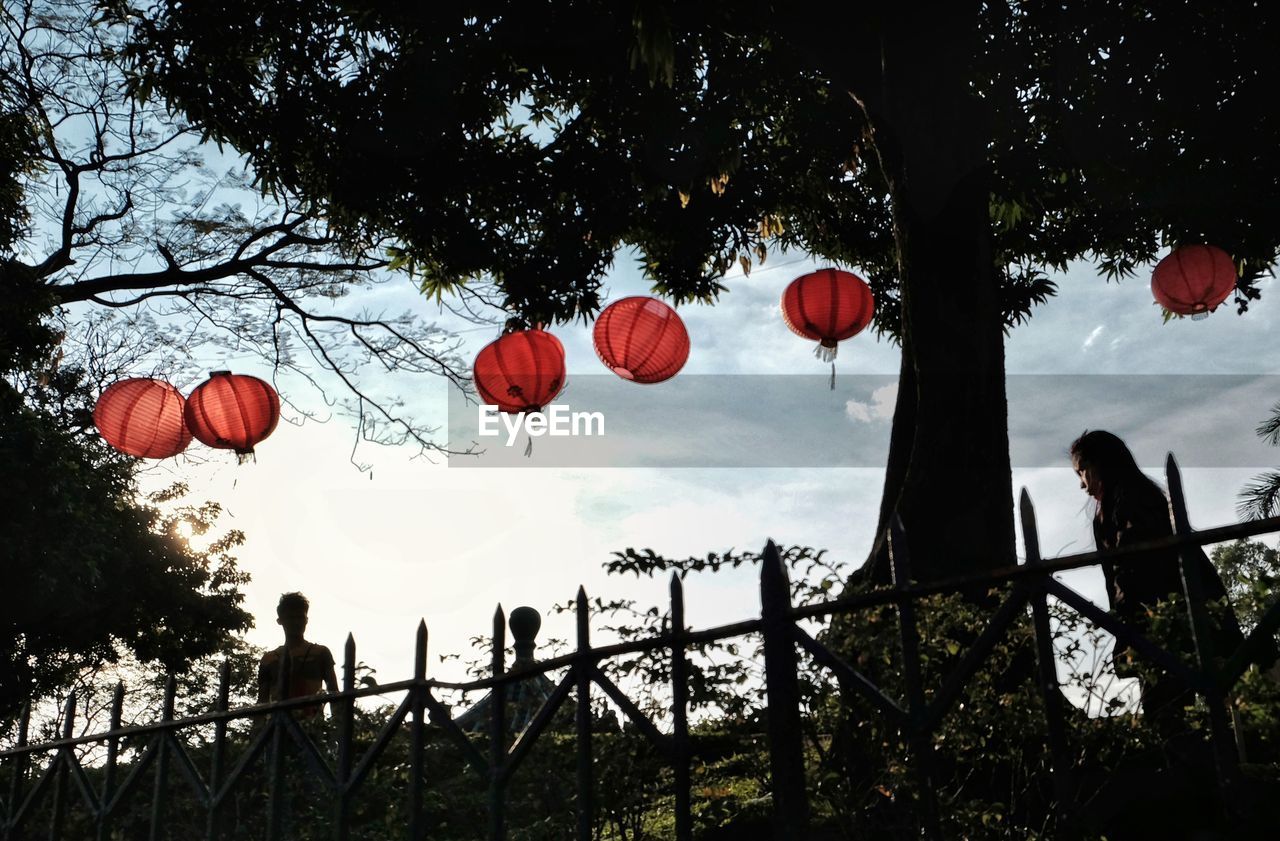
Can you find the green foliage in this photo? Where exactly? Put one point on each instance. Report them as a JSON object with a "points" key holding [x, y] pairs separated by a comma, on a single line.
{"points": [[91, 572], [993, 771], [1250, 570], [17, 158], [700, 134], [1261, 497]]}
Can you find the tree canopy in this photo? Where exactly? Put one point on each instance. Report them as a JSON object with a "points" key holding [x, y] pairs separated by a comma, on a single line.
{"points": [[954, 152], [529, 141], [90, 571], [118, 206]]}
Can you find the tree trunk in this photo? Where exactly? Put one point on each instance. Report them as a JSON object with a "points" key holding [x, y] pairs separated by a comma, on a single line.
{"points": [[948, 474]]}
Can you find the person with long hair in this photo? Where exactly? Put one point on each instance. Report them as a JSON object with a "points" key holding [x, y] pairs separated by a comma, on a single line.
{"points": [[1132, 509]]}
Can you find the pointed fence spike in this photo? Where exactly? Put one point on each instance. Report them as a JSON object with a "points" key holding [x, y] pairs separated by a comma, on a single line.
{"points": [[1177, 501], [170, 693], [282, 679], [117, 705], [583, 620], [349, 664], [1030, 537], [69, 715], [773, 572], [420, 651], [224, 684], [499, 641]]}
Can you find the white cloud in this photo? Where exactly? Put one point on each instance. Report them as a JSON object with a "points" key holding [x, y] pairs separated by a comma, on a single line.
{"points": [[1097, 331], [858, 411], [879, 407]]}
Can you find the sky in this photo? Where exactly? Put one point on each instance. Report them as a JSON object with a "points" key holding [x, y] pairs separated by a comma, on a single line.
{"points": [[448, 541]]}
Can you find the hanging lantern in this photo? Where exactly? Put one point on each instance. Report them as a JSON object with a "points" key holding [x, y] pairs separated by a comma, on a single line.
{"points": [[520, 371], [641, 339], [142, 416], [828, 306], [233, 412], [1193, 280]]}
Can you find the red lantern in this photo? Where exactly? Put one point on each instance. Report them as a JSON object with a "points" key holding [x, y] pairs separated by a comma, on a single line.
{"points": [[828, 306], [233, 412], [521, 371], [1194, 280], [142, 417], [641, 339]]}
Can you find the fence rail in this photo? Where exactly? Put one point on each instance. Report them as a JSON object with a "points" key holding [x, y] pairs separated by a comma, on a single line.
{"points": [[1033, 583]]}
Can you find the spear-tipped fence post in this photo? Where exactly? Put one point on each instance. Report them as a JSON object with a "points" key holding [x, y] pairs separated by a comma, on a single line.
{"points": [[920, 738], [782, 691], [346, 729], [498, 730], [586, 804], [162, 761], [19, 769], [277, 804], [680, 711], [109, 769], [417, 732], [1048, 664], [63, 759], [219, 758], [1202, 633]]}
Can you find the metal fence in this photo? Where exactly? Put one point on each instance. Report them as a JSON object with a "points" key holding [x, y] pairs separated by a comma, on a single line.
{"points": [[33, 789]]}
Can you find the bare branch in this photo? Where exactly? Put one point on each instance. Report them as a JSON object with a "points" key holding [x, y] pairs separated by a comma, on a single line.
{"points": [[194, 264]]}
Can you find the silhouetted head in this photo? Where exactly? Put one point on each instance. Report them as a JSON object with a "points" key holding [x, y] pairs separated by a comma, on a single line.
{"points": [[1102, 460], [1107, 470], [291, 613]]}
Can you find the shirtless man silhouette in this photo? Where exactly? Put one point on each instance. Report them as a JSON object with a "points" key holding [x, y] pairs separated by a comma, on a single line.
{"points": [[310, 664]]}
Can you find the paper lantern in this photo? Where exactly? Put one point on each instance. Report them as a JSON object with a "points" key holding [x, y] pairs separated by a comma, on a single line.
{"points": [[233, 412], [142, 416], [1193, 280], [641, 339], [521, 371], [828, 306]]}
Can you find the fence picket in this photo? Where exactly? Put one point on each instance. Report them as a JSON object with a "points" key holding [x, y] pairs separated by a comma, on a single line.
{"points": [[346, 725], [1224, 751], [582, 720], [918, 736], [498, 730], [109, 770], [680, 712], [782, 690], [781, 635], [60, 766], [417, 734], [1050, 693]]}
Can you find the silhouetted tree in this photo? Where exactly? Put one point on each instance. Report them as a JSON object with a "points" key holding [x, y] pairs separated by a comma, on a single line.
{"points": [[954, 151], [121, 207]]}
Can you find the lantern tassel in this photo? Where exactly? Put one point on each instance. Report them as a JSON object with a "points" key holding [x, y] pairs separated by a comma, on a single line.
{"points": [[1199, 316], [243, 456], [833, 376], [825, 352], [528, 448]]}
